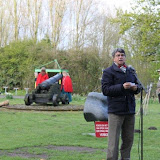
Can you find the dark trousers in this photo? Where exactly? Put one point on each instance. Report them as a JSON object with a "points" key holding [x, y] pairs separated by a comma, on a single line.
{"points": [[159, 97], [124, 125]]}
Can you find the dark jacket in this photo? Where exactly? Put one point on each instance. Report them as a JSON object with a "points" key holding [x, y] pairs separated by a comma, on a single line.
{"points": [[120, 100]]}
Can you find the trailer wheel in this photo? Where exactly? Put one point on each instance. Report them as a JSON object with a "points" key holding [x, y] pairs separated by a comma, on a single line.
{"points": [[55, 103], [65, 99], [27, 100], [54, 100]]}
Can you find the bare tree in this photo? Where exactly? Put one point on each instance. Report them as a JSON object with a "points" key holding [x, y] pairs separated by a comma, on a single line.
{"points": [[36, 17], [31, 16], [82, 14], [77, 22], [56, 11], [4, 23], [110, 35], [26, 19], [15, 21], [103, 36], [1, 22], [14, 18]]}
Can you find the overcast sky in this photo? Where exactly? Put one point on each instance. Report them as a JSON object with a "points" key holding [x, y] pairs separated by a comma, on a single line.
{"points": [[124, 4]]}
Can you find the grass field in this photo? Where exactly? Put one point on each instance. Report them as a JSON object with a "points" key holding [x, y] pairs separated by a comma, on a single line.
{"points": [[76, 99], [61, 135]]}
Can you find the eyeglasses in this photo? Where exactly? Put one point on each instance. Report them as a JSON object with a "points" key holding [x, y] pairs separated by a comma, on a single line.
{"points": [[118, 55]]}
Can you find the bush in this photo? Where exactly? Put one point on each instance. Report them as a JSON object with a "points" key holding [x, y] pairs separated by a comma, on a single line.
{"points": [[9, 96], [77, 97]]}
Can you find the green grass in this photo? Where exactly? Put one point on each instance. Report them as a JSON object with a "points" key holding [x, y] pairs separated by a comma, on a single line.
{"points": [[76, 100], [13, 92], [13, 101], [28, 129], [32, 131], [151, 137]]}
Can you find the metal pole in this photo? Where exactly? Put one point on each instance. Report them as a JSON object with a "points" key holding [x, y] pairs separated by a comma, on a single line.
{"points": [[26, 89], [5, 89], [16, 90], [141, 124]]}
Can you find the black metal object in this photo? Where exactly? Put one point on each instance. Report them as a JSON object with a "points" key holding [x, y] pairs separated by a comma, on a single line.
{"points": [[96, 107], [47, 92], [158, 89], [142, 88], [159, 97]]}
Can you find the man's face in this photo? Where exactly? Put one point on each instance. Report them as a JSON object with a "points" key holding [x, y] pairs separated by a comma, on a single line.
{"points": [[43, 72], [119, 58]]}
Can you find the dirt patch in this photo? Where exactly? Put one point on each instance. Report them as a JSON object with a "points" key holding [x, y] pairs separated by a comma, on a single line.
{"points": [[72, 148], [23, 153], [27, 155], [152, 128], [45, 107]]}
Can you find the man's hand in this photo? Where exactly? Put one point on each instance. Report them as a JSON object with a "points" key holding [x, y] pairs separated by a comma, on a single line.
{"points": [[129, 85], [134, 88]]}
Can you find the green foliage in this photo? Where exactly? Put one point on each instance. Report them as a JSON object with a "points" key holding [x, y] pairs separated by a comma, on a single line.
{"points": [[141, 30], [19, 59], [143, 25], [9, 96], [141, 36], [12, 60], [85, 69], [76, 97]]}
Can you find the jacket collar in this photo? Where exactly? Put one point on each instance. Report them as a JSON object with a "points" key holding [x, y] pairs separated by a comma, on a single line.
{"points": [[116, 68]]}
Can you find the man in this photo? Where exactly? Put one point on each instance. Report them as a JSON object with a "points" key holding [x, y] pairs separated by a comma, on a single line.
{"points": [[120, 85], [42, 76]]}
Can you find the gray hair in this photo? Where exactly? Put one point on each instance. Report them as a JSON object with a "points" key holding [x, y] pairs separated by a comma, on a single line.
{"points": [[118, 50], [43, 69]]}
